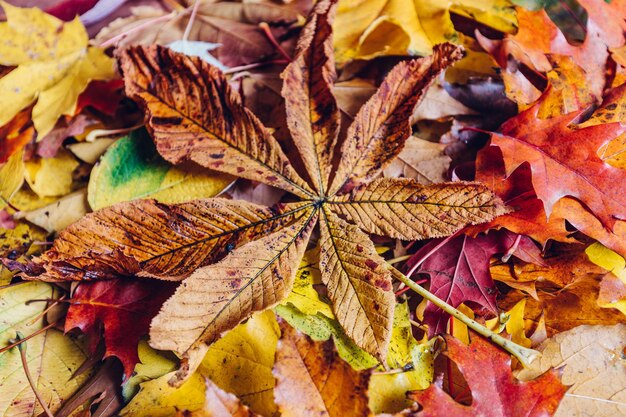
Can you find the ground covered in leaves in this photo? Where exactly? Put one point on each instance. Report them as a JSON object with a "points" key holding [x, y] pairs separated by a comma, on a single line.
{"points": [[335, 208]]}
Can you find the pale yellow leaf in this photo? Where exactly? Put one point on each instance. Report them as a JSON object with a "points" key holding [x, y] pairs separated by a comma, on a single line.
{"points": [[54, 65], [44, 353], [51, 177]]}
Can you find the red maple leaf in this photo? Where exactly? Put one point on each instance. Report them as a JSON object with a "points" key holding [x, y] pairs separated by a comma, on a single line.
{"points": [[495, 392], [123, 307]]}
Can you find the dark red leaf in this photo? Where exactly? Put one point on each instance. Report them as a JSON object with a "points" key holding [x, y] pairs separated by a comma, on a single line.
{"points": [[459, 270], [123, 307], [68, 9]]}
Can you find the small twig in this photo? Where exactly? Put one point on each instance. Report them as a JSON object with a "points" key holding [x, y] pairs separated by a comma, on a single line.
{"points": [[449, 364], [270, 37], [418, 325], [150, 22], [399, 259], [405, 289], [30, 336], [524, 355], [50, 307], [22, 348], [254, 65], [192, 18]]}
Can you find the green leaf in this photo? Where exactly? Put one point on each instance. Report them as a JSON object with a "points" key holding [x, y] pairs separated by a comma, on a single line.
{"points": [[131, 168]]}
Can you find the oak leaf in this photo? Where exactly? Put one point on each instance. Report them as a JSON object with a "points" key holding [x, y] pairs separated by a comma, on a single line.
{"points": [[193, 114], [38, 43], [566, 294], [557, 151], [495, 392], [539, 37]]}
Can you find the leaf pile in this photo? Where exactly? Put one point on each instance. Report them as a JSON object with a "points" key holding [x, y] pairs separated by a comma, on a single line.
{"points": [[338, 207]]}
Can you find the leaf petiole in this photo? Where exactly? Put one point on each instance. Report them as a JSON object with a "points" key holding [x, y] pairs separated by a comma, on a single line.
{"points": [[525, 355]]}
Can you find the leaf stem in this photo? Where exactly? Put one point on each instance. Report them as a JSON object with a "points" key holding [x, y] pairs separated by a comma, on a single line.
{"points": [[30, 336], [270, 37], [524, 355], [22, 348]]}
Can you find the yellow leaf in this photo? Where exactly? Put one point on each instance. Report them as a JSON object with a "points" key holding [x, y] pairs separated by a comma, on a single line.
{"points": [[18, 241], [11, 177], [151, 366], [54, 65], [303, 296], [58, 215], [44, 353], [365, 29], [387, 392], [51, 177], [131, 168], [240, 363], [612, 287]]}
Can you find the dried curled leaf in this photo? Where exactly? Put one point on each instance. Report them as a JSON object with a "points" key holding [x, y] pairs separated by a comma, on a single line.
{"points": [[146, 238], [404, 209], [217, 297], [359, 284], [381, 127], [193, 114], [311, 379]]}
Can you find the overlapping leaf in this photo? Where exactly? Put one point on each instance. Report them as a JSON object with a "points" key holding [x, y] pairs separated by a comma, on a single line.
{"points": [[37, 43], [495, 391], [194, 115], [311, 379]]}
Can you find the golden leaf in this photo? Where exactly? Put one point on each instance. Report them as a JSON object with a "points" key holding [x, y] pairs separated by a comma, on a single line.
{"points": [[141, 237], [54, 65], [359, 284], [312, 111], [381, 127]]}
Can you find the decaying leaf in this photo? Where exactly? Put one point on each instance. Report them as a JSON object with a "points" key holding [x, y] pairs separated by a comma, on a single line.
{"points": [[495, 392], [38, 43], [592, 362], [105, 244], [251, 278], [311, 379]]}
